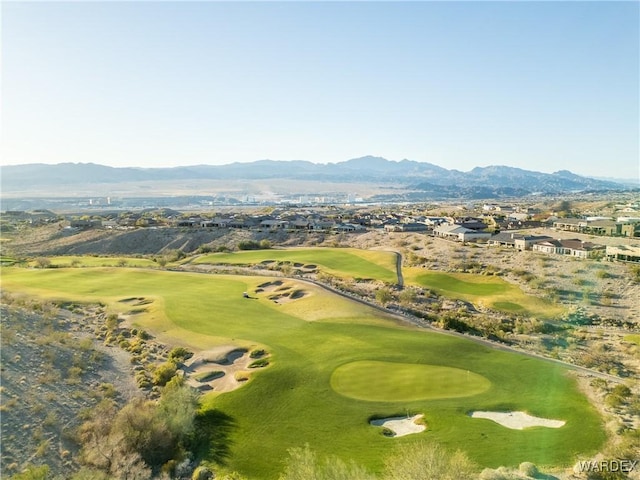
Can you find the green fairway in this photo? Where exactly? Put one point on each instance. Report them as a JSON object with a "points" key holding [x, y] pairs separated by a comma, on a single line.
{"points": [[317, 340], [490, 291], [342, 262], [402, 382]]}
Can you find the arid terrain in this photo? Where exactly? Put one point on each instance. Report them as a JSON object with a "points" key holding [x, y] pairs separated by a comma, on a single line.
{"points": [[46, 377]]}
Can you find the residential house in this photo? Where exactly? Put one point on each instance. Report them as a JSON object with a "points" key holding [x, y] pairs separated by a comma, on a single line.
{"points": [[274, 224], [460, 233], [573, 247], [347, 227], [623, 253], [570, 224], [406, 227], [517, 240], [321, 225]]}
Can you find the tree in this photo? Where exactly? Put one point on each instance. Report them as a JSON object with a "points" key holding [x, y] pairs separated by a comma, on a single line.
{"points": [[178, 406], [99, 446], [144, 432]]}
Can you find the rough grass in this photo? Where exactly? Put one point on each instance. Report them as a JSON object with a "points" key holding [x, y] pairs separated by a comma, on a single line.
{"points": [[292, 403], [96, 261], [633, 338], [342, 262]]}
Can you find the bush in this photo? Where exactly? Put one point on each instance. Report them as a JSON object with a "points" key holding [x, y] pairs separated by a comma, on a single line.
{"points": [[179, 354], [248, 245], [384, 296], [202, 473], [262, 362], [164, 373], [258, 353]]}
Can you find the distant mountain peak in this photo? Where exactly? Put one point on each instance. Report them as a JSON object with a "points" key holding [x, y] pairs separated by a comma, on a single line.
{"points": [[422, 176]]}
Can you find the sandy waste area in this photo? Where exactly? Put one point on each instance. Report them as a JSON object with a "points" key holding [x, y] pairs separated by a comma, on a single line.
{"points": [[518, 420]]}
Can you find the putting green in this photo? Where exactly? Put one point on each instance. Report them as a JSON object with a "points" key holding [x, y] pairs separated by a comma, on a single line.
{"points": [[401, 382]]}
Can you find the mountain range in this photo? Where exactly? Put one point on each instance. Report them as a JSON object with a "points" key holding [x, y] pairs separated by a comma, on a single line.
{"points": [[431, 180]]}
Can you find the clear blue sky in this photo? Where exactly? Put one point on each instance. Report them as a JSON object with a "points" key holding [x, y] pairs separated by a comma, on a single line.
{"points": [[537, 85]]}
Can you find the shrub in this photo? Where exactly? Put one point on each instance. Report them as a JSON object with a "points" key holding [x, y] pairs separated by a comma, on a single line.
{"points": [[258, 353], [43, 262], [112, 321], [205, 249], [164, 373], [202, 473], [248, 245], [179, 354], [262, 362], [384, 296]]}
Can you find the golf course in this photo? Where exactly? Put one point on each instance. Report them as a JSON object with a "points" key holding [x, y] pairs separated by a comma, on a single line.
{"points": [[341, 262], [334, 365], [489, 291]]}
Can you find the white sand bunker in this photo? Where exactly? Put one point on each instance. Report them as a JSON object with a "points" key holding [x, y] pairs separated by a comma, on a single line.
{"points": [[518, 420], [401, 426]]}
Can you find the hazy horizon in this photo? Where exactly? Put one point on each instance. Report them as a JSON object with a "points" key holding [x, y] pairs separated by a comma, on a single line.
{"points": [[542, 86]]}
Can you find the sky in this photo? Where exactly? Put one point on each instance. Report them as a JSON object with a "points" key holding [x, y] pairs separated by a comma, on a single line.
{"points": [[543, 86]]}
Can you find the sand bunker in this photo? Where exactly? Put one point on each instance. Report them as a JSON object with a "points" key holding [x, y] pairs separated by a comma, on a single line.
{"points": [[280, 292], [401, 426], [518, 420], [222, 369]]}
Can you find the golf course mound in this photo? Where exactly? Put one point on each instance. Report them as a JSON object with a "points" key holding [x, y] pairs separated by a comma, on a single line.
{"points": [[518, 420], [401, 426], [378, 381]]}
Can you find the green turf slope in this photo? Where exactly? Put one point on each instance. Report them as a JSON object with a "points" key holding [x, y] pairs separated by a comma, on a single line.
{"points": [[296, 400], [343, 262], [490, 291]]}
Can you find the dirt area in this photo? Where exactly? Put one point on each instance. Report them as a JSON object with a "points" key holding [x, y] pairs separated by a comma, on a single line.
{"points": [[52, 370]]}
